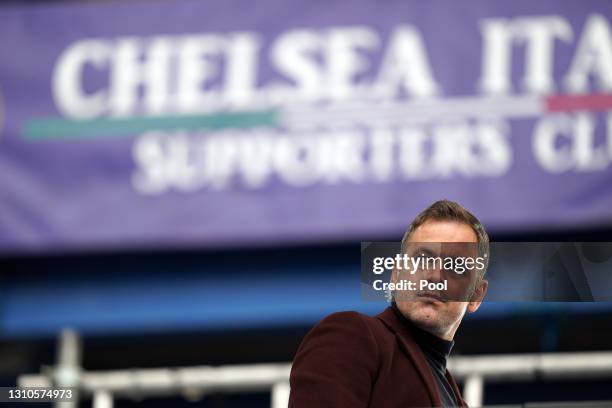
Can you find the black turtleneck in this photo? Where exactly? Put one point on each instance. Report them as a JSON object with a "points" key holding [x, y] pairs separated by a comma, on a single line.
{"points": [[436, 351]]}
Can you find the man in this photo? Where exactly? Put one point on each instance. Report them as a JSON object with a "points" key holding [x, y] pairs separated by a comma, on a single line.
{"points": [[397, 358]]}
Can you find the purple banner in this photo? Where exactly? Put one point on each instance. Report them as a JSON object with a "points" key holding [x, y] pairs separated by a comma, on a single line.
{"points": [[222, 123]]}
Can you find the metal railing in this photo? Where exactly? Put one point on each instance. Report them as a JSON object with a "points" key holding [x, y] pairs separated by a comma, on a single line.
{"points": [[196, 382]]}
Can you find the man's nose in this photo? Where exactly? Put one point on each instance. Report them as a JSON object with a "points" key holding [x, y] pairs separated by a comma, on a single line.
{"points": [[432, 273]]}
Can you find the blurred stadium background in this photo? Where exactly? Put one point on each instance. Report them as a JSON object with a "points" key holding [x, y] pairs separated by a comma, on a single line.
{"points": [[137, 218]]}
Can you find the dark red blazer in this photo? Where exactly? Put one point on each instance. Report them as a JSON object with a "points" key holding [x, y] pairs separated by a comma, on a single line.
{"points": [[350, 360]]}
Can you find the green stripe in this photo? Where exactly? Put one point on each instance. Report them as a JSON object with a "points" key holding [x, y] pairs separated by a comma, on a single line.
{"points": [[53, 128]]}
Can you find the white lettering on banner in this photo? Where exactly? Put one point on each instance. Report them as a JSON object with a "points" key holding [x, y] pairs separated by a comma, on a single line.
{"points": [[208, 72], [593, 57], [344, 62], [183, 162], [563, 142], [198, 69], [405, 66], [70, 97], [538, 34], [129, 74], [349, 104], [293, 55]]}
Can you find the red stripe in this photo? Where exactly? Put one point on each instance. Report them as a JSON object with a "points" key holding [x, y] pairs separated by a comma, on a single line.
{"points": [[565, 103]]}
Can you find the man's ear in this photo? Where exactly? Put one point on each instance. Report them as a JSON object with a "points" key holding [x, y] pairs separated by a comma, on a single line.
{"points": [[478, 296]]}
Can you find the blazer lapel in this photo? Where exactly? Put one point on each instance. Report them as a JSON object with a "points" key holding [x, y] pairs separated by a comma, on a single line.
{"points": [[453, 384], [412, 349]]}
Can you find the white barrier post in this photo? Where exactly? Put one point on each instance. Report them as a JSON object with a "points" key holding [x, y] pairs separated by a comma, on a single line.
{"points": [[473, 390], [102, 399], [67, 371], [280, 395]]}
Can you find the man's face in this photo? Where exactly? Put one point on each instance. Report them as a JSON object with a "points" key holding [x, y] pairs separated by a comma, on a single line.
{"points": [[438, 316]]}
